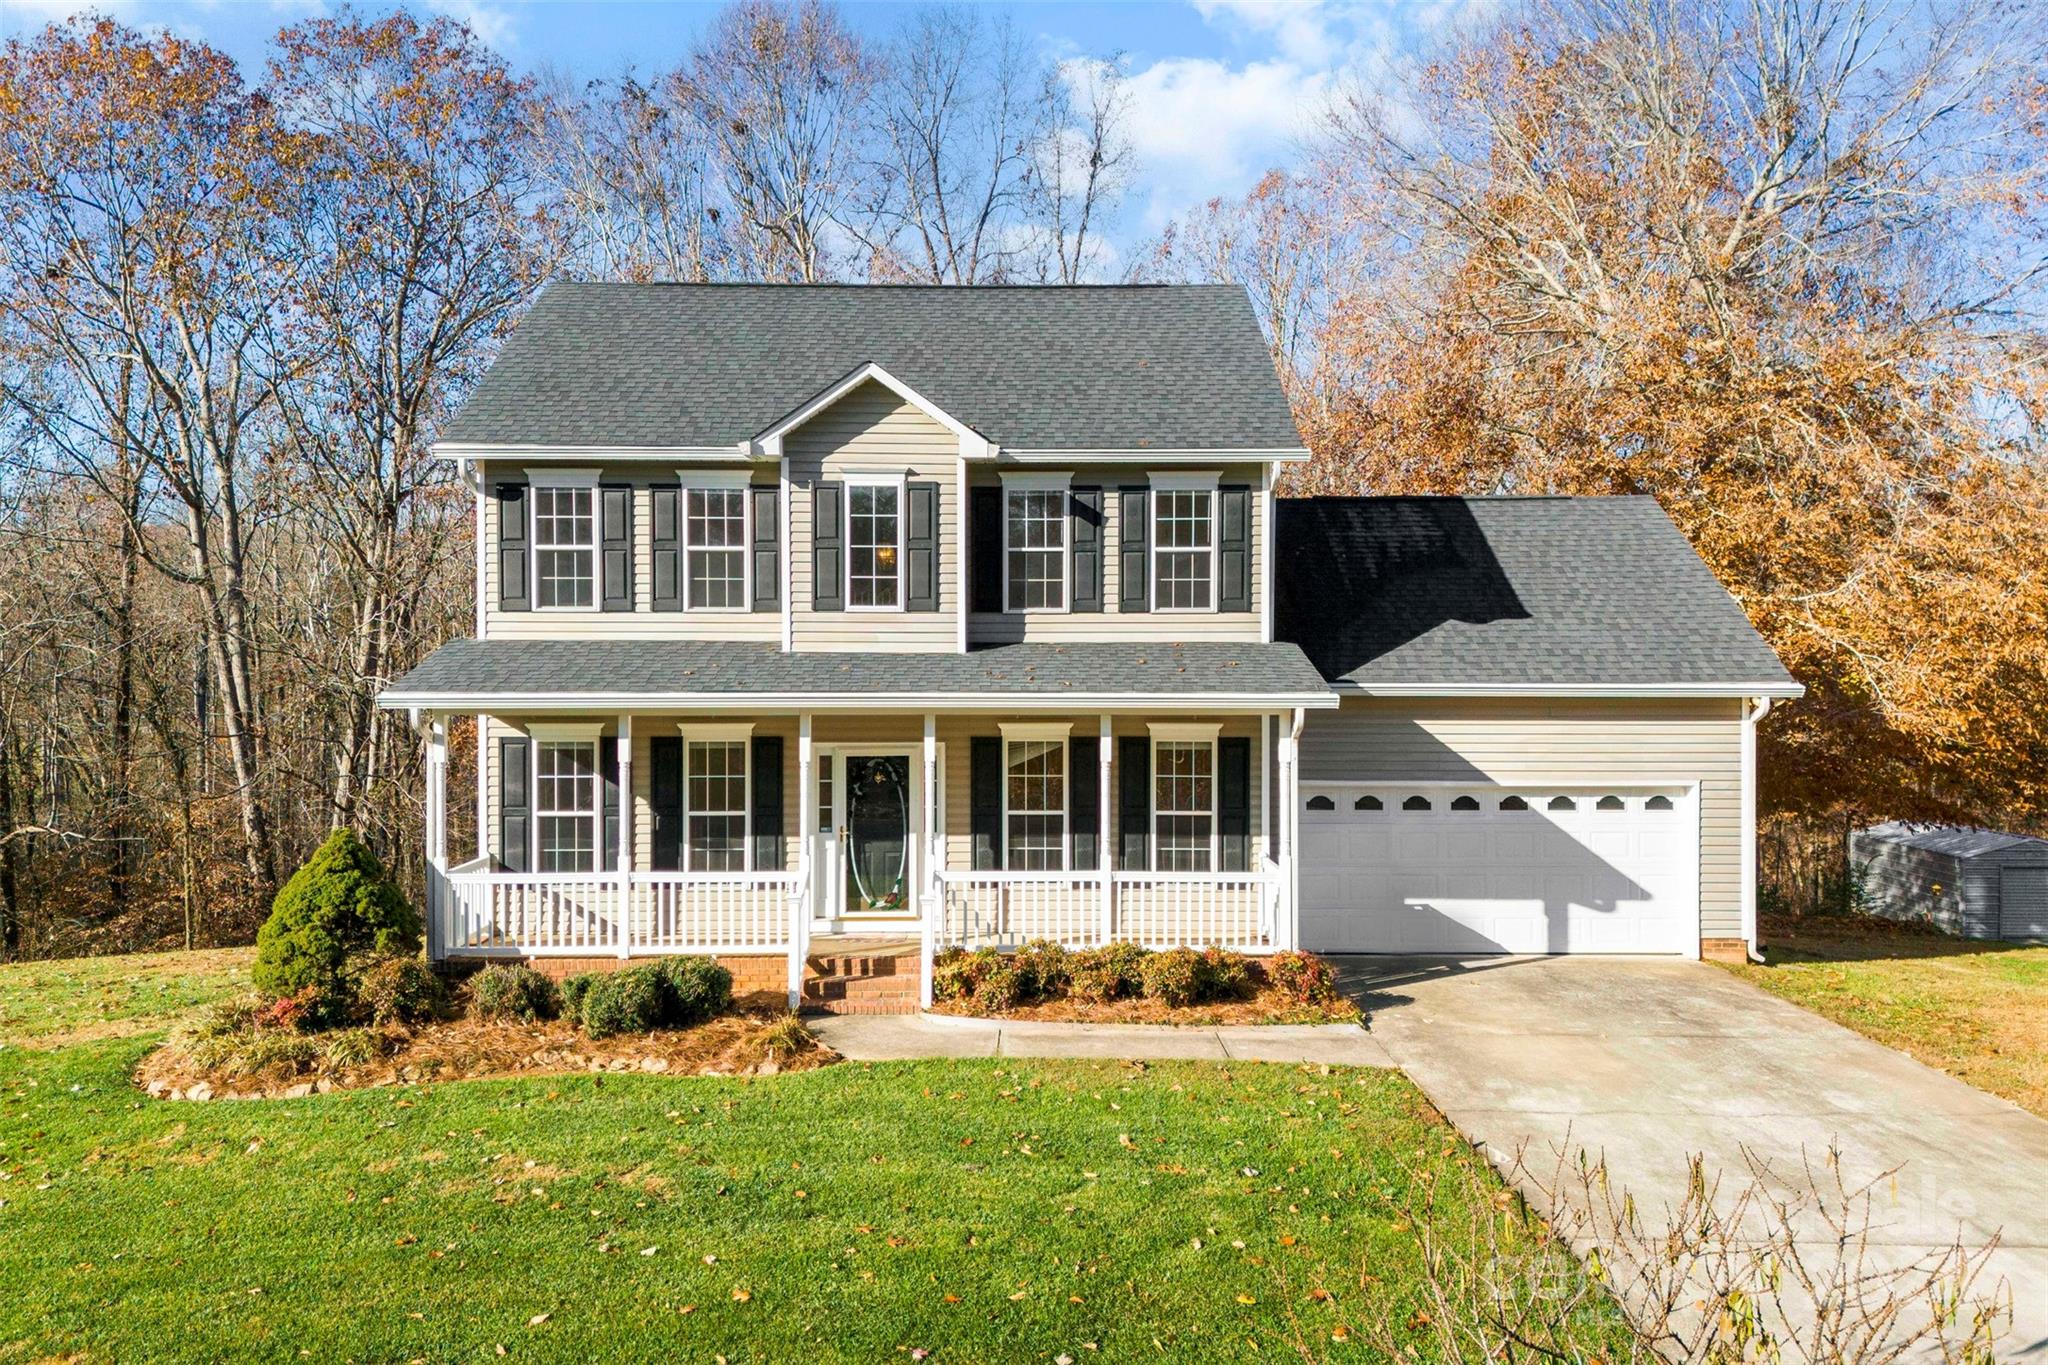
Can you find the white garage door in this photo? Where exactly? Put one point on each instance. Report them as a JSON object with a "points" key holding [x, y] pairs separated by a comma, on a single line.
{"points": [[1431, 869]]}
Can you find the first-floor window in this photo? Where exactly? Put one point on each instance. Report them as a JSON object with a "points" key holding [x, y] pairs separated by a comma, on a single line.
{"points": [[874, 524], [1183, 805], [1035, 534], [717, 800], [564, 546], [565, 805], [1184, 549], [1036, 799], [715, 548]]}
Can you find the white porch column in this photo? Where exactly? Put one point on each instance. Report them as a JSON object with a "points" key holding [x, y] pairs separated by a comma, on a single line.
{"points": [[1285, 925], [807, 832], [934, 894], [437, 834], [625, 851], [1105, 858]]}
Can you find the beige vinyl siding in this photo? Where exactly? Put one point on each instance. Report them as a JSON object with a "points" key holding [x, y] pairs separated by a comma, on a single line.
{"points": [[871, 430], [984, 628], [1587, 742], [643, 622]]}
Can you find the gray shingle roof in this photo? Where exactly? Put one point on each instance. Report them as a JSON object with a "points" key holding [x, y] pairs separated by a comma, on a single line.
{"points": [[675, 365], [1960, 841], [1507, 592], [574, 669]]}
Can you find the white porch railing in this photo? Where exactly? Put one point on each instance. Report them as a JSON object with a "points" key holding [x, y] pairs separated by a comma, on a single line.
{"points": [[601, 914], [1234, 910]]}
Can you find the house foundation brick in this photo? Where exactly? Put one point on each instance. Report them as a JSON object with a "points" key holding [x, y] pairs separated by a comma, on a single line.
{"points": [[1724, 950]]}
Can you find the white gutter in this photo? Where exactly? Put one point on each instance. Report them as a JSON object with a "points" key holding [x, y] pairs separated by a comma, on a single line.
{"points": [[499, 703], [1351, 687], [1752, 712]]}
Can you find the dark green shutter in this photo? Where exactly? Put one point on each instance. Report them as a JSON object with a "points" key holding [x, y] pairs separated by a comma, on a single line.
{"points": [[1234, 548], [985, 547], [514, 593], [665, 802], [771, 853], [608, 808], [985, 802], [1234, 802], [615, 546], [921, 547], [1134, 803], [828, 547], [767, 547], [665, 541], [1133, 534], [515, 831], [1084, 802], [1085, 531]]}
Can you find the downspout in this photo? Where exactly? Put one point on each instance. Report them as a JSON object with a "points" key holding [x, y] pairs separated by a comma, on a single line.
{"points": [[1754, 709], [1290, 791]]}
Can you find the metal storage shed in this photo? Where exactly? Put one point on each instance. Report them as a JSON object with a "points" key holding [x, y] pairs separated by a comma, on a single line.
{"points": [[1976, 883]]}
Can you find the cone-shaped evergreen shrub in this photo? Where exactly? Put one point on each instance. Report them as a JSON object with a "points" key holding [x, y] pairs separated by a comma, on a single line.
{"points": [[341, 902]]}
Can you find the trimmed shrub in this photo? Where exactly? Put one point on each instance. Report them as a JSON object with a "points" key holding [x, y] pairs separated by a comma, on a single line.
{"points": [[397, 990], [572, 989], [951, 976], [513, 990], [1099, 975], [1223, 975], [1001, 985], [694, 989], [1046, 969], [341, 903], [622, 1002], [1303, 977], [1172, 977], [302, 1011]]}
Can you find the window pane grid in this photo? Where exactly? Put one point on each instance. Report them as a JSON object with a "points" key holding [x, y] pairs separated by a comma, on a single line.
{"points": [[715, 538], [565, 805], [716, 793], [871, 534], [1183, 805], [1183, 531], [1036, 838], [564, 546], [1036, 533]]}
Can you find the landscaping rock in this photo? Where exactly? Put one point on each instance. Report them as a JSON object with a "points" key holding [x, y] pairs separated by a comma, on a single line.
{"points": [[299, 1091], [654, 1065], [201, 1091]]}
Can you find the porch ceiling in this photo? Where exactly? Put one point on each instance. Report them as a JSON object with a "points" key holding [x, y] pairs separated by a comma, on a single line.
{"points": [[500, 675]]}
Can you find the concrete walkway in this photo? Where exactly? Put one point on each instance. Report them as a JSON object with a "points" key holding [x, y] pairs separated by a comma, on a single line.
{"points": [[903, 1037], [1647, 1061]]}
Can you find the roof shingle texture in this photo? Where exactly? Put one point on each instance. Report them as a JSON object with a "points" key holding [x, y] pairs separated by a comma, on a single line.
{"points": [[1509, 592], [622, 667], [1085, 368], [1960, 841]]}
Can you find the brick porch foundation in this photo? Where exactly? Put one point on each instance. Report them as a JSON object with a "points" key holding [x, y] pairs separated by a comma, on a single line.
{"points": [[841, 976], [1723, 950]]}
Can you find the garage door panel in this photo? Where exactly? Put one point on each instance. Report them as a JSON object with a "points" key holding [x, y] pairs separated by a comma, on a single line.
{"points": [[1445, 880]]}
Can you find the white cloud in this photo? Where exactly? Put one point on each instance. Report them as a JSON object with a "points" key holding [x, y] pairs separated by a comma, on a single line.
{"points": [[493, 23], [16, 15], [1299, 28], [1202, 128]]}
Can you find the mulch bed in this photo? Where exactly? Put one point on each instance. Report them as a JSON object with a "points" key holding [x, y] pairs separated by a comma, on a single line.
{"points": [[1267, 1007], [472, 1049]]}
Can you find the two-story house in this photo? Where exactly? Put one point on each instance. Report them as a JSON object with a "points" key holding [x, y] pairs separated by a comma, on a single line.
{"points": [[818, 624]]}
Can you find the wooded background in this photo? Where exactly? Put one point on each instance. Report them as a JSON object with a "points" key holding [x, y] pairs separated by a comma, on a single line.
{"points": [[1778, 263]]}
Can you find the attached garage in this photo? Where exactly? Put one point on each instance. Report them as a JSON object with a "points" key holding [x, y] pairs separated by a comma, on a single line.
{"points": [[1425, 868]]}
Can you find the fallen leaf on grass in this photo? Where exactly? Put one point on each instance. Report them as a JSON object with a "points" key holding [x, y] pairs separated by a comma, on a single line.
{"points": [[537, 1319], [741, 1295], [1246, 1298]]}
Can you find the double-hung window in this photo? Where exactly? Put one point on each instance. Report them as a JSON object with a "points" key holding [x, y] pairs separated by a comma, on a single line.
{"points": [[1183, 802], [1183, 543], [1034, 799], [565, 541], [715, 543], [565, 807], [716, 802], [1035, 544], [874, 545]]}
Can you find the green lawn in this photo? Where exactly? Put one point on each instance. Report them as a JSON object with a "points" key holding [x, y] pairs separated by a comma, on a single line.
{"points": [[1976, 1010], [994, 1210]]}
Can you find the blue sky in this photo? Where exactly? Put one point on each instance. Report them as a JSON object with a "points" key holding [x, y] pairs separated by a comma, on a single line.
{"points": [[1223, 89]]}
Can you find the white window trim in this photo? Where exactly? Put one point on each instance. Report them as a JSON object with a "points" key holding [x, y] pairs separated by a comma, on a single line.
{"points": [[1179, 483], [1204, 736], [1041, 483], [740, 733], [565, 478], [551, 477], [1014, 733], [723, 481], [900, 482], [566, 732]]}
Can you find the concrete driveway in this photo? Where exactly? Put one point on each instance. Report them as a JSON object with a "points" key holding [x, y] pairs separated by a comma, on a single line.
{"points": [[1649, 1060]]}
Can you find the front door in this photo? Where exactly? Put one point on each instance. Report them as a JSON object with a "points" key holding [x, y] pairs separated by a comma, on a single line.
{"points": [[869, 836]]}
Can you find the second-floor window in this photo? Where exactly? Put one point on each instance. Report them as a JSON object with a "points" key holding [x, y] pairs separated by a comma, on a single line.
{"points": [[715, 548], [1035, 549], [565, 546], [1184, 549], [874, 544]]}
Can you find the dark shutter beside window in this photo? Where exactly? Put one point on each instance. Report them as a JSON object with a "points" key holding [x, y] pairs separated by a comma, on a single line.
{"points": [[665, 541], [1084, 802], [514, 808], [665, 802], [1134, 803], [828, 547], [767, 546], [1234, 802], [608, 806], [771, 853], [921, 547], [1234, 548], [985, 545], [514, 594], [616, 546], [985, 802], [1134, 531], [1085, 531]]}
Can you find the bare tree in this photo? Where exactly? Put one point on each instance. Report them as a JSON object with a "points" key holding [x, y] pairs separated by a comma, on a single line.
{"points": [[1082, 164]]}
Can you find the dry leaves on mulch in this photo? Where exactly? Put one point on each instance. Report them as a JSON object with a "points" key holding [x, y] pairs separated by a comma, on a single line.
{"points": [[1267, 1007]]}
